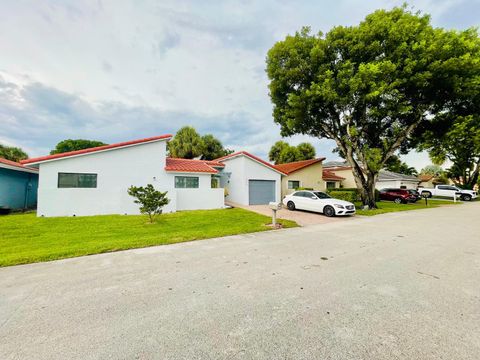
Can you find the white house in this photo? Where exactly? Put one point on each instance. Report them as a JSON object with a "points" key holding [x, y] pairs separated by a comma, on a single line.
{"points": [[250, 180], [95, 181], [390, 179]]}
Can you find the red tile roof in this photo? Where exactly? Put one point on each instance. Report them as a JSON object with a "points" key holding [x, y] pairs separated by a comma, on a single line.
{"points": [[289, 168], [94, 149], [187, 165], [328, 175], [244, 153], [16, 164]]}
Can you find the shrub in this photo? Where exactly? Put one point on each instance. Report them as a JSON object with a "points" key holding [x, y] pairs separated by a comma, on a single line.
{"points": [[351, 196], [151, 201], [304, 188]]}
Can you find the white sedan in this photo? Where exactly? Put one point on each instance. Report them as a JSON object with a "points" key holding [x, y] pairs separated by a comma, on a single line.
{"points": [[319, 202]]}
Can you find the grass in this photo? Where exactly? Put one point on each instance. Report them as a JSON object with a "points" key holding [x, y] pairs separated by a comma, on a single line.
{"points": [[25, 238], [390, 206]]}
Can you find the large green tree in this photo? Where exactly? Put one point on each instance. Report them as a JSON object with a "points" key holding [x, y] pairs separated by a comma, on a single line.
{"points": [[370, 87], [460, 144], [395, 164], [73, 145], [213, 148], [188, 144], [281, 152], [12, 153], [433, 169]]}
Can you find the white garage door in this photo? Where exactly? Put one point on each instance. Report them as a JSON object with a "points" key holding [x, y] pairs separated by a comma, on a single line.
{"points": [[261, 192]]}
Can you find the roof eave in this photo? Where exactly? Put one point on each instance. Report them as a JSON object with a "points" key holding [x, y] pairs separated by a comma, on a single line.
{"points": [[90, 152]]}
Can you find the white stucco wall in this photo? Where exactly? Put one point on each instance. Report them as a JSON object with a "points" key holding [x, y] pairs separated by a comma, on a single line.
{"points": [[243, 169], [202, 198], [116, 171], [396, 184]]}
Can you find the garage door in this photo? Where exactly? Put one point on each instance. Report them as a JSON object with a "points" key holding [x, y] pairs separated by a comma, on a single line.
{"points": [[261, 191]]}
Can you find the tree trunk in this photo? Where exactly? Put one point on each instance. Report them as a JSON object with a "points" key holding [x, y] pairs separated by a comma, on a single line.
{"points": [[473, 178], [365, 180], [367, 191]]}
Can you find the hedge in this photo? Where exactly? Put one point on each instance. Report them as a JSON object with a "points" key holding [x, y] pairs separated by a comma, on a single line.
{"points": [[350, 194], [346, 195]]}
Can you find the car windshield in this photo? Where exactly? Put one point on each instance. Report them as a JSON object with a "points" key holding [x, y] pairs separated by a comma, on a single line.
{"points": [[321, 195]]}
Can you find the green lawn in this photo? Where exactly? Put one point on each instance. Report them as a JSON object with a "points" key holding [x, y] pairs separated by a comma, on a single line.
{"points": [[390, 206], [24, 238]]}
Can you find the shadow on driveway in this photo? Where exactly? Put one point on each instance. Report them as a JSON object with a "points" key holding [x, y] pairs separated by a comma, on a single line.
{"points": [[302, 218]]}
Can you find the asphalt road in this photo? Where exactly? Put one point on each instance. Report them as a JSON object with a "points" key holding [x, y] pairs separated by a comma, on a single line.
{"points": [[397, 286]]}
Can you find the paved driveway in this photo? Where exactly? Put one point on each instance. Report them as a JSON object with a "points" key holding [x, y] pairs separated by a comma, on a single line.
{"points": [[302, 218], [396, 286]]}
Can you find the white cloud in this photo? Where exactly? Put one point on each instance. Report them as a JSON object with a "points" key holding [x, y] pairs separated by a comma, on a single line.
{"points": [[112, 70]]}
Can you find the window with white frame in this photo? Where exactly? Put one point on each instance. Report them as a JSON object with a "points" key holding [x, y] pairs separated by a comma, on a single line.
{"points": [[331, 185], [186, 182]]}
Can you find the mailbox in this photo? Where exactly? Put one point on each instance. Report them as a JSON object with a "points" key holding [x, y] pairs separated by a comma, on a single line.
{"points": [[274, 205]]}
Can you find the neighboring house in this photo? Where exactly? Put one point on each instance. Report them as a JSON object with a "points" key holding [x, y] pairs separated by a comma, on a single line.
{"points": [[386, 179], [332, 181], [95, 181], [390, 179], [430, 181], [302, 174], [427, 181], [18, 185], [343, 170], [249, 180]]}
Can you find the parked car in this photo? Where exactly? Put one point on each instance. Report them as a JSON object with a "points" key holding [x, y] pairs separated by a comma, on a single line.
{"points": [[399, 196], [415, 193], [449, 191], [318, 201]]}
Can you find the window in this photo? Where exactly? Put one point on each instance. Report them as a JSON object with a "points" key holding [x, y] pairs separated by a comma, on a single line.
{"points": [[293, 184], [74, 180], [299, 193], [215, 182], [321, 195], [186, 182], [331, 185]]}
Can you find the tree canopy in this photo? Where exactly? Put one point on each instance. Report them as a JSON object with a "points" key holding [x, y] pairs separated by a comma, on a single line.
{"points": [[12, 153], [213, 148], [396, 165], [434, 170], [371, 87], [73, 145], [188, 144], [459, 142], [281, 152]]}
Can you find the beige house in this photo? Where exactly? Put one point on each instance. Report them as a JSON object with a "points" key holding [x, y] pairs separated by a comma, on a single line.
{"points": [[302, 174], [341, 169], [426, 181]]}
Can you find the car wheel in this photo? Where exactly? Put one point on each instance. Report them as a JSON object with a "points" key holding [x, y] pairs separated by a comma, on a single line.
{"points": [[466, 197], [398, 201], [291, 205], [427, 193], [328, 211]]}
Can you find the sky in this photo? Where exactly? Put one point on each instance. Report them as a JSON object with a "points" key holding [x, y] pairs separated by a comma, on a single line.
{"points": [[119, 70]]}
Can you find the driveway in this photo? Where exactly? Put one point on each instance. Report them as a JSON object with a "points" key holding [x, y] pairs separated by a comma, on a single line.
{"points": [[302, 218], [396, 286]]}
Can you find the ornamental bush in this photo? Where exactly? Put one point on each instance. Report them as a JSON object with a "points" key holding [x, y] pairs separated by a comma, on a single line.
{"points": [[151, 200]]}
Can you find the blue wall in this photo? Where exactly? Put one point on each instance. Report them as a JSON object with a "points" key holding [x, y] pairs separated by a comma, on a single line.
{"points": [[18, 187]]}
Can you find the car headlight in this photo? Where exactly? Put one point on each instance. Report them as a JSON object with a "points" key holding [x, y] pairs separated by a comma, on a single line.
{"points": [[339, 206]]}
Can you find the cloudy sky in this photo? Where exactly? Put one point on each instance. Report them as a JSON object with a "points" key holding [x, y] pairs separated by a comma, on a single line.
{"points": [[118, 70]]}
